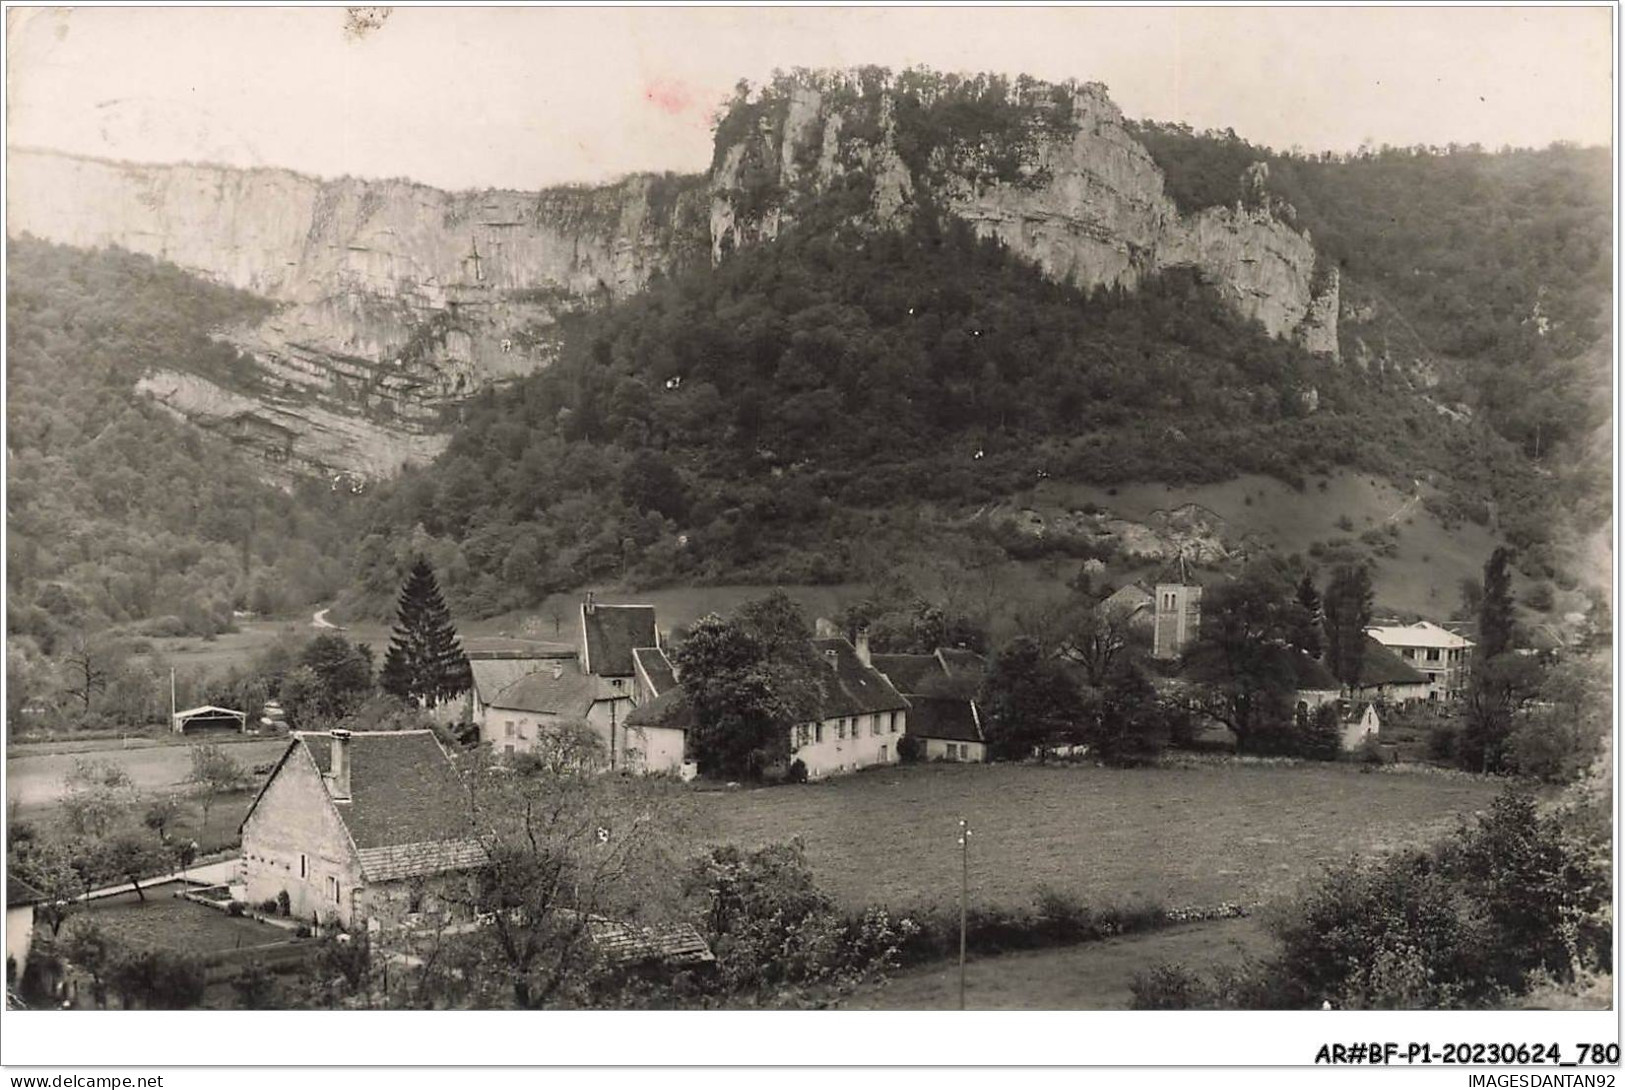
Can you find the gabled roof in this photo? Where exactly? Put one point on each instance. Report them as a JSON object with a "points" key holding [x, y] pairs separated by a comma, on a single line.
{"points": [[20, 894], [851, 688], [611, 632], [623, 943], [407, 812], [569, 693], [495, 673], [1381, 666], [948, 671], [909, 673], [209, 710], [1311, 674], [943, 717], [671, 709], [1420, 634], [655, 668], [1130, 598]]}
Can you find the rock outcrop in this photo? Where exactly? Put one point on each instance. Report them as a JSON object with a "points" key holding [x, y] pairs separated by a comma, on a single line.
{"points": [[1070, 189], [398, 300]]}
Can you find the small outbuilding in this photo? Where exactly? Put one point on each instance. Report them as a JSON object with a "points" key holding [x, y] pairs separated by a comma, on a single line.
{"points": [[209, 719]]}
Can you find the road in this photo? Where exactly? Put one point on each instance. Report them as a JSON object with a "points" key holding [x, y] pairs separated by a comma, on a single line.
{"points": [[319, 619], [36, 780]]}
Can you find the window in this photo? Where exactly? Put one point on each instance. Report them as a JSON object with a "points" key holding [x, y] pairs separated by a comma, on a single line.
{"points": [[894, 722], [840, 730], [803, 733], [874, 723], [508, 729], [332, 889], [619, 684], [882, 754], [1433, 654], [508, 750], [304, 866], [818, 732]]}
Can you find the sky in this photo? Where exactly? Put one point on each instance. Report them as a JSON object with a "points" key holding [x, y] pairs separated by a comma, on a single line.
{"points": [[526, 97]]}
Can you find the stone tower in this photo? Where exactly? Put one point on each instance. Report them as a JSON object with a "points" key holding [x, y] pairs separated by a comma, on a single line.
{"points": [[1178, 605]]}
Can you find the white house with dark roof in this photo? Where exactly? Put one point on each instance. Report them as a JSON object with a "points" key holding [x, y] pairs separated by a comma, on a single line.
{"points": [[862, 716], [1440, 655], [941, 691], [359, 829]]}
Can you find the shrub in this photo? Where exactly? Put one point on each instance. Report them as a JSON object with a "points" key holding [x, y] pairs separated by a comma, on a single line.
{"points": [[158, 980], [302, 931], [269, 906], [797, 772], [1442, 743], [284, 904], [235, 908], [910, 749]]}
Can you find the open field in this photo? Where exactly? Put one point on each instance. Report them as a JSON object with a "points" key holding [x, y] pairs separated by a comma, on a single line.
{"points": [[35, 780], [1182, 836], [1090, 976]]}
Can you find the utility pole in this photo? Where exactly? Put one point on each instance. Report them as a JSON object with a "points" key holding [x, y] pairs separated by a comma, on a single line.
{"points": [[964, 893], [172, 708]]}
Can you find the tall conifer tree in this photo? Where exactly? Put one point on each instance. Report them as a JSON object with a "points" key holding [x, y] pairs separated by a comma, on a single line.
{"points": [[425, 662], [1495, 608], [1347, 611]]}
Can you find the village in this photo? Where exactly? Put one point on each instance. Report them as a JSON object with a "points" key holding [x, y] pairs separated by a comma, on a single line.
{"points": [[369, 847]]}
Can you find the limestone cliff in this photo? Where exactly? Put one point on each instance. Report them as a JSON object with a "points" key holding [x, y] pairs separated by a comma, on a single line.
{"points": [[1051, 171], [398, 299]]}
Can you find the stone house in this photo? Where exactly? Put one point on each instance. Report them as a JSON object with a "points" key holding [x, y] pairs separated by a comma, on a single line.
{"points": [[20, 901], [941, 691], [361, 830], [862, 716]]}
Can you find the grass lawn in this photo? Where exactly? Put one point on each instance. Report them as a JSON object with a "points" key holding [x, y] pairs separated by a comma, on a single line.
{"points": [[1091, 976], [167, 922], [1181, 836]]}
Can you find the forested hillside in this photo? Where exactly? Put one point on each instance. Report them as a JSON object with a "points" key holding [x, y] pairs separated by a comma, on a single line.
{"points": [[118, 514], [1496, 264], [835, 393]]}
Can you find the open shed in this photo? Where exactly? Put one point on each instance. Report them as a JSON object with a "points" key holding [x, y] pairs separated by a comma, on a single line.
{"points": [[209, 719]]}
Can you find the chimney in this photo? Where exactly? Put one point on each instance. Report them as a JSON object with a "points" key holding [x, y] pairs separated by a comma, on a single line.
{"points": [[339, 775], [862, 646], [590, 605]]}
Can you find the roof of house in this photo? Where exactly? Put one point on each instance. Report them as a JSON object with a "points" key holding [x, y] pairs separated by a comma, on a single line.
{"points": [[20, 894], [852, 688], [625, 943], [1420, 634], [408, 810], [656, 667], [495, 673], [943, 717], [612, 632], [671, 709], [959, 662], [909, 673], [1312, 675], [209, 711], [1381, 666], [569, 692], [949, 671], [1130, 598]]}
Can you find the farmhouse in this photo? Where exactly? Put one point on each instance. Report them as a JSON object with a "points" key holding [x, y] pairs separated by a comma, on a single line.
{"points": [[1443, 657], [361, 830], [519, 697], [862, 716], [941, 691], [1387, 678]]}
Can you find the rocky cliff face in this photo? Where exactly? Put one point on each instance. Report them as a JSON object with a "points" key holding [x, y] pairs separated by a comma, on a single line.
{"points": [[1052, 172], [399, 299]]}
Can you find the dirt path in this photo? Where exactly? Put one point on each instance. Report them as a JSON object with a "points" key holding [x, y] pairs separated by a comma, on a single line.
{"points": [[319, 619]]}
